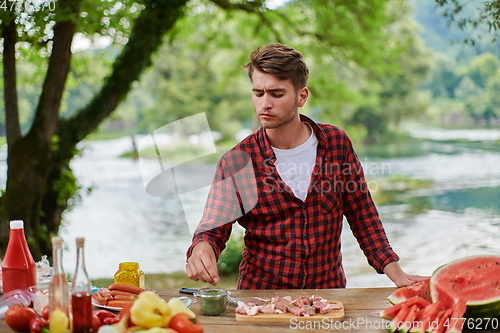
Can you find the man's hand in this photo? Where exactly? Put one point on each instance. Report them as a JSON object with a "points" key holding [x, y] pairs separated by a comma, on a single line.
{"points": [[202, 264], [400, 278]]}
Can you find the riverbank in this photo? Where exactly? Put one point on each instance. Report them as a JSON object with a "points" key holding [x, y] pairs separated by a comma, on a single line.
{"points": [[173, 280]]}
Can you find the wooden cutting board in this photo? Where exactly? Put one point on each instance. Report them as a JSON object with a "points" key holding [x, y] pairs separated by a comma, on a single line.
{"points": [[333, 315]]}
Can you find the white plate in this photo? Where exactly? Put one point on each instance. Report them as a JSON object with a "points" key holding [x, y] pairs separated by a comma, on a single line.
{"points": [[186, 300], [112, 308]]}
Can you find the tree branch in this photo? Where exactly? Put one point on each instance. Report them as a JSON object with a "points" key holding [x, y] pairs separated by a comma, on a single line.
{"points": [[247, 6], [153, 22], [9, 35], [47, 112]]}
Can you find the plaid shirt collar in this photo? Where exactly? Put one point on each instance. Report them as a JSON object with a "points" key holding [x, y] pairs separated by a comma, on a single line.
{"points": [[268, 152]]}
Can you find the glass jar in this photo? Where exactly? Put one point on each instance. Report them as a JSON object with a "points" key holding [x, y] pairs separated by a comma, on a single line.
{"points": [[129, 273], [212, 301]]}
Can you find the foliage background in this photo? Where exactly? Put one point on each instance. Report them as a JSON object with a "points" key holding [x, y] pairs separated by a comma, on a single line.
{"points": [[375, 65]]}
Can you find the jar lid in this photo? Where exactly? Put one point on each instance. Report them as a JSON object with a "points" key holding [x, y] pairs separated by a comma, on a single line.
{"points": [[17, 224], [212, 292], [129, 264]]}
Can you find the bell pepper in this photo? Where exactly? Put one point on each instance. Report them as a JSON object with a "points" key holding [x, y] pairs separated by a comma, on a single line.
{"points": [[177, 306], [150, 310]]}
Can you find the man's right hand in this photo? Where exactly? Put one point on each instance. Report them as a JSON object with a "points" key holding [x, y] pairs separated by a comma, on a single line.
{"points": [[202, 264]]}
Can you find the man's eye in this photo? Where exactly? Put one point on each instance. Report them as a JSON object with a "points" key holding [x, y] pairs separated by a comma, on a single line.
{"points": [[277, 95], [258, 94]]}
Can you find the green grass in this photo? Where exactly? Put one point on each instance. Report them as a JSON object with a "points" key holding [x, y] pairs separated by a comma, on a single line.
{"points": [[174, 280]]}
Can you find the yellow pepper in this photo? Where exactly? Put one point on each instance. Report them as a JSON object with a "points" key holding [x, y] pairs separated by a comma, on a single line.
{"points": [[177, 306], [150, 310]]}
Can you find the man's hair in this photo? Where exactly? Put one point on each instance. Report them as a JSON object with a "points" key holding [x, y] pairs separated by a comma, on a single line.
{"points": [[283, 61]]}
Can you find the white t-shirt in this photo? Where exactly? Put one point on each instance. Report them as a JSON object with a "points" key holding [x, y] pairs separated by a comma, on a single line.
{"points": [[296, 165]]}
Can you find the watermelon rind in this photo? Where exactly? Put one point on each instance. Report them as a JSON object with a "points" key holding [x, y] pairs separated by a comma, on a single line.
{"points": [[485, 308]]}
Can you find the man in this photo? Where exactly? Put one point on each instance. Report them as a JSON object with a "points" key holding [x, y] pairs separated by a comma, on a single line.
{"points": [[307, 177]]}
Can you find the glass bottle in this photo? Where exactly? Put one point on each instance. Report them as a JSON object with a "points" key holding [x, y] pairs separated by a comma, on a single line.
{"points": [[129, 273], [58, 292], [18, 266], [81, 293]]}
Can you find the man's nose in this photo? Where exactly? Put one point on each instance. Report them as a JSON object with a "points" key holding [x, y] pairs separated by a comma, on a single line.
{"points": [[266, 101]]}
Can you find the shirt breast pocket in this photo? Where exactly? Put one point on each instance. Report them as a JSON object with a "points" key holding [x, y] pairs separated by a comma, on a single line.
{"points": [[331, 195]]}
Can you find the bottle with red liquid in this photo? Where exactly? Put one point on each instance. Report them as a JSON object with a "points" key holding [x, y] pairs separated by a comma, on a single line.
{"points": [[81, 293], [18, 266]]}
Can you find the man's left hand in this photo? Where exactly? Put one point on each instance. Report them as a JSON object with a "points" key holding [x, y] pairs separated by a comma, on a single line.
{"points": [[399, 277]]}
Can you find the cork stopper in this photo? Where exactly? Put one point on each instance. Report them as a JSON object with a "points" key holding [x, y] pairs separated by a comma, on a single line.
{"points": [[57, 242], [80, 241]]}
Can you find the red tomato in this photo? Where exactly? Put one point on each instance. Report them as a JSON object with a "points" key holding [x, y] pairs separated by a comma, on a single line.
{"points": [[45, 312], [18, 317], [184, 323]]}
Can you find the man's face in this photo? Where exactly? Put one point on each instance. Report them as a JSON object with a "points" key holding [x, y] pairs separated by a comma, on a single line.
{"points": [[275, 101]]}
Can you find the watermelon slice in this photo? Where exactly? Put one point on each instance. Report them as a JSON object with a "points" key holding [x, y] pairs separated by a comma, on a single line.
{"points": [[392, 311], [426, 317], [457, 319], [473, 280], [418, 289], [398, 320], [407, 323], [442, 319]]}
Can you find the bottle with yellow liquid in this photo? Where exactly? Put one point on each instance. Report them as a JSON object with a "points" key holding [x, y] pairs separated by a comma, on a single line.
{"points": [[59, 314], [129, 273]]}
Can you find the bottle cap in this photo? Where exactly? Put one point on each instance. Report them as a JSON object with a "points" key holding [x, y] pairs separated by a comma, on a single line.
{"points": [[80, 241], [16, 224], [57, 242]]}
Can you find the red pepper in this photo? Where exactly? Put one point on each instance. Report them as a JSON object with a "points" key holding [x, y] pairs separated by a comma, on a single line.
{"points": [[110, 320], [103, 314], [39, 325]]}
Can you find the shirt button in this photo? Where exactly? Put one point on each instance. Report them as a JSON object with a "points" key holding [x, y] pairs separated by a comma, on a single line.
{"points": [[305, 235]]}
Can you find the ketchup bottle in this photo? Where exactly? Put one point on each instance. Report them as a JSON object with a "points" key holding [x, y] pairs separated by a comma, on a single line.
{"points": [[18, 266], [81, 293]]}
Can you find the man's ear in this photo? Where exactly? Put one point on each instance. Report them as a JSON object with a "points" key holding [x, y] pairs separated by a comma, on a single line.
{"points": [[302, 95]]}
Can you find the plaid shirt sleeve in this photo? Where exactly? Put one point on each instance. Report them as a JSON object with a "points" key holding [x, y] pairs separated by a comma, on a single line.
{"points": [[233, 192], [362, 215]]}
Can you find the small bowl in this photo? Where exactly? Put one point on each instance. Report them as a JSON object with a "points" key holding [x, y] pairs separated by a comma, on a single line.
{"points": [[213, 301]]}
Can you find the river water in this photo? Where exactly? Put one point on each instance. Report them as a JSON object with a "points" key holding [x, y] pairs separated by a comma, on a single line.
{"points": [[456, 216]]}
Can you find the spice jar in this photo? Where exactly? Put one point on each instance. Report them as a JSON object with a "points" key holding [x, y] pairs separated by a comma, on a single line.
{"points": [[212, 301], [129, 273]]}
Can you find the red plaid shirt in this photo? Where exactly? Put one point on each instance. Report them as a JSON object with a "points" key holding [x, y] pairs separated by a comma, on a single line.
{"points": [[290, 243]]}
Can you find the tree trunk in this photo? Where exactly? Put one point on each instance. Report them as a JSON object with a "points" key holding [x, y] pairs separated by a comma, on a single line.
{"points": [[9, 35], [29, 159]]}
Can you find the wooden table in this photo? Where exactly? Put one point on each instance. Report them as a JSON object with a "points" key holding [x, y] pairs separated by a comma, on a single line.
{"points": [[362, 307]]}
